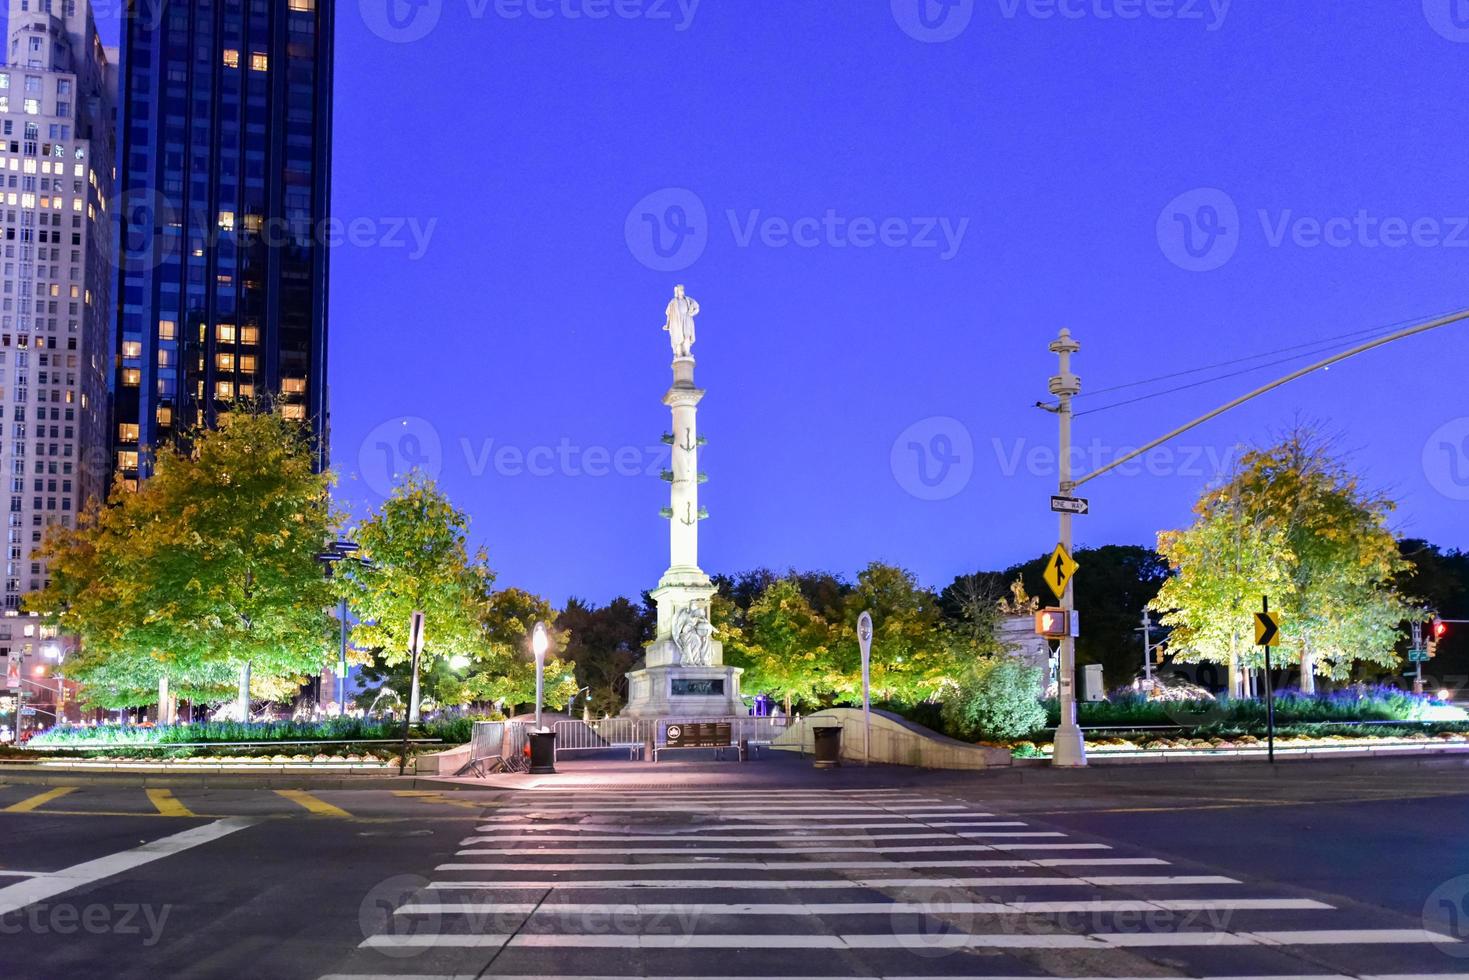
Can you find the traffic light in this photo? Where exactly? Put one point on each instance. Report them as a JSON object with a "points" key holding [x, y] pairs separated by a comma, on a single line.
{"points": [[1436, 632], [1051, 623]]}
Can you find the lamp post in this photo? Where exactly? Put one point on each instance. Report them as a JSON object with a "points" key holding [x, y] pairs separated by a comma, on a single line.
{"points": [[864, 638], [335, 552], [539, 642], [542, 742]]}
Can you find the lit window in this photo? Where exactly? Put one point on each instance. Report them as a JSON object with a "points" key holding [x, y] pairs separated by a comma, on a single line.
{"points": [[127, 460], [247, 363], [259, 61], [127, 432], [224, 390], [225, 333], [33, 107], [231, 58], [296, 413], [247, 391], [225, 362], [132, 377], [293, 386], [226, 221], [165, 415], [249, 335], [163, 358], [132, 348], [167, 329], [306, 5]]}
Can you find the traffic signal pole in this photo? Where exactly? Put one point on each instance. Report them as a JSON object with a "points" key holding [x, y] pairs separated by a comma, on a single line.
{"points": [[1069, 746]]}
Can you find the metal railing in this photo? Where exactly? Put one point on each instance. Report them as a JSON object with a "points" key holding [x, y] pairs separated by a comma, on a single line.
{"points": [[497, 746], [603, 734]]}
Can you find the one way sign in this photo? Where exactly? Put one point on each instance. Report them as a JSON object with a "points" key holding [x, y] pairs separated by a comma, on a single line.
{"points": [[1070, 505]]}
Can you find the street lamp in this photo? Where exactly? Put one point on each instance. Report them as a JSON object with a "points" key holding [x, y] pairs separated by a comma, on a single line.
{"points": [[539, 642], [335, 552]]}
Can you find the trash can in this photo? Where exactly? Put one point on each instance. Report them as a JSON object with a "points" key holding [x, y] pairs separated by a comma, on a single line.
{"points": [[828, 740], [542, 752]]}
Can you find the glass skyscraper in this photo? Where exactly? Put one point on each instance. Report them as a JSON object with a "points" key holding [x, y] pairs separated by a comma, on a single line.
{"points": [[223, 192]]}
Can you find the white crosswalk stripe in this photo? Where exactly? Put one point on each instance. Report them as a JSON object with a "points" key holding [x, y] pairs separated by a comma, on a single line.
{"points": [[661, 884]]}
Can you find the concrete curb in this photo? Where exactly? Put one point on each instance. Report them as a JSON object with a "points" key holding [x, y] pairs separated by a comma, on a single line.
{"points": [[32, 776]]}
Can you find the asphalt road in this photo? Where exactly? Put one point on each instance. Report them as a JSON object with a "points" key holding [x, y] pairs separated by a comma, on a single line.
{"points": [[1311, 869]]}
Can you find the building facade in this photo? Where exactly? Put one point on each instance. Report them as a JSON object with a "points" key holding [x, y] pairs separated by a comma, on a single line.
{"points": [[223, 197], [57, 98]]}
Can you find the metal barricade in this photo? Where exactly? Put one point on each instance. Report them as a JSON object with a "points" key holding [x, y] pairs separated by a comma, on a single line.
{"points": [[606, 734], [497, 746], [517, 746]]}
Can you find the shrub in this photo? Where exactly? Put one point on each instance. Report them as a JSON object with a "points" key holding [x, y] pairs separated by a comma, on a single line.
{"points": [[996, 700]]}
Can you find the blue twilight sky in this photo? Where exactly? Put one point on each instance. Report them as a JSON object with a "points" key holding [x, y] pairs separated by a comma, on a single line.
{"points": [[1153, 174]]}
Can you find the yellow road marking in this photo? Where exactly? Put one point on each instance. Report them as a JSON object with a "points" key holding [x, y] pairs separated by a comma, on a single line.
{"points": [[26, 806], [305, 799], [167, 805], [429, 796]]}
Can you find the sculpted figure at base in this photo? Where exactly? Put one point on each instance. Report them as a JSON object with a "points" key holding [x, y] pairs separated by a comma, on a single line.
{"points": [[692, 632]]}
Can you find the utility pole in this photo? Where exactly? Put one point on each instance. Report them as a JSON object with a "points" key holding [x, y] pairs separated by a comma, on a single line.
{"points": [[1069, 745], [1148, 649], [1418, 645]]}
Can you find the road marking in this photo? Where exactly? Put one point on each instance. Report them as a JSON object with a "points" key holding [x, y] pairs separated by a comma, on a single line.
{"points": [[697, 836], [18, 896], [163, 800], [818, 810], [518, 825], [22, 874], [319, 807], [27, 805], [772, 848], [430, 796], [757, 821], [914, 941], [1014, 881], [802, 865], [542, 976], [939, 907]]}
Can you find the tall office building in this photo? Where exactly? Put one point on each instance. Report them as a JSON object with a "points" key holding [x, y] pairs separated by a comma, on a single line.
{"points": [[223, 194], [57, 95]]}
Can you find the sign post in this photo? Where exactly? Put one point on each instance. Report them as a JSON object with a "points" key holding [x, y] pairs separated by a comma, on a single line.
{"points": [[864, 639], [1267, 635]]}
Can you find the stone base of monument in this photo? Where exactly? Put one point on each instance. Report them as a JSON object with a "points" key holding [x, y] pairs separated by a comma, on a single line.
{"points": [[688, 693]]}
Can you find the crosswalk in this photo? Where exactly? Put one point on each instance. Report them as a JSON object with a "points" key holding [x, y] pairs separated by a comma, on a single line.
{"points": [[853, 883]]}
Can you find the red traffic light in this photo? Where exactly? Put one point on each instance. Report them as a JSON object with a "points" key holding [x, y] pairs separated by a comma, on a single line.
{"points": [[1440, 629]]}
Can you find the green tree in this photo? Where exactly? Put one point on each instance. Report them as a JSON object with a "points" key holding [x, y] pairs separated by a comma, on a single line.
{"points": [[208, 566], [785, 646], [604, 643], [416, 558], [913, 653], [994, 698], [1293, 523]]}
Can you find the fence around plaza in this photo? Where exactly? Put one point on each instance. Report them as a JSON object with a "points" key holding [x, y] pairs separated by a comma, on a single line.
{"points": [[503, 745]]}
